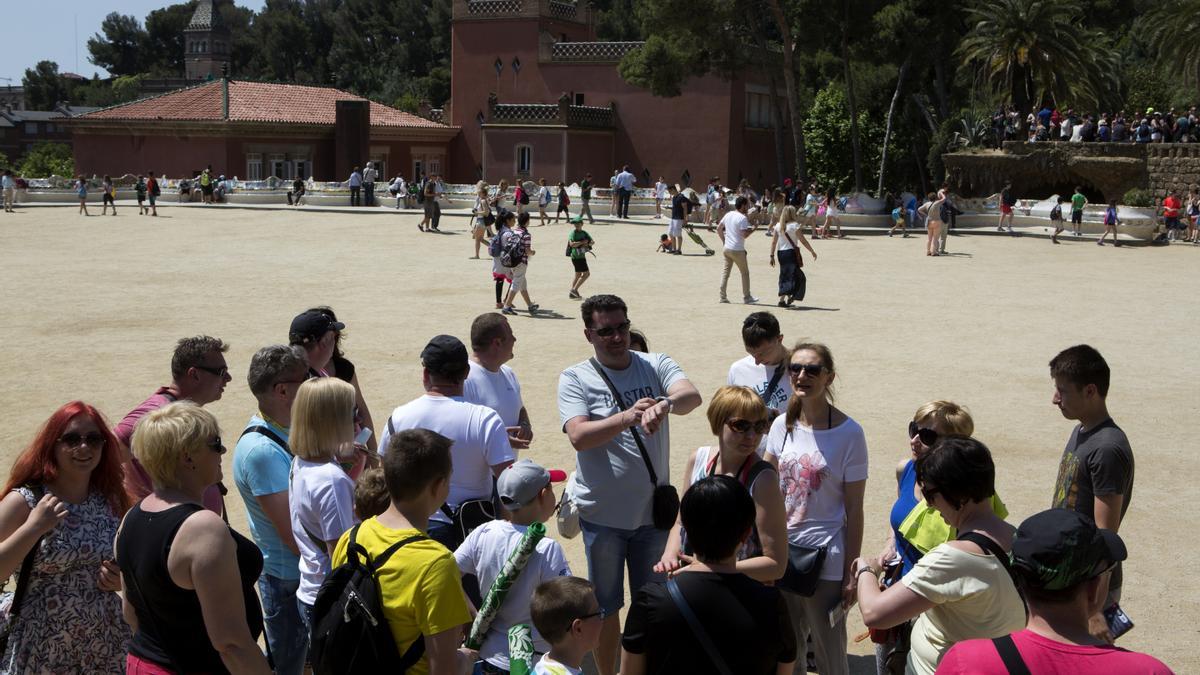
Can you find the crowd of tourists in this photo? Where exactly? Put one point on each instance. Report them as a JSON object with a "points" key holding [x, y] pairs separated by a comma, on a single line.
{"points": [[1049, 123], [426, 524]]}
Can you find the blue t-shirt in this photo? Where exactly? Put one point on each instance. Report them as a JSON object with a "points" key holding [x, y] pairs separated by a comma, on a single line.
{"points": [[906, 501], [261, 467]]}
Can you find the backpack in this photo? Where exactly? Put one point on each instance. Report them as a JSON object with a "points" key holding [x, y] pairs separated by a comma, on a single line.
{"points": [[944, 213], [842, 202], [522, 196], [494, 245], [1056, 212], [512, 249], [349, 631], [421, 192]]}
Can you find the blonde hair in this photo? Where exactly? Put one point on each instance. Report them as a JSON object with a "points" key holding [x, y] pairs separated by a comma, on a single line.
{"points": [[730, 402], [787, 215], [948, 417], [165, 436], [322, 418]]}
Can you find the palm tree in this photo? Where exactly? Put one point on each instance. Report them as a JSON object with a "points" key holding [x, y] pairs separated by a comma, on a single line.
{"points": [[1172, 28], [1034, 50]]}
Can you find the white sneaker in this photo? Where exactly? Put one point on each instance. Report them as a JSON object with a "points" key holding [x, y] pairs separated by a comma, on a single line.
{"points": [[751, 300]]}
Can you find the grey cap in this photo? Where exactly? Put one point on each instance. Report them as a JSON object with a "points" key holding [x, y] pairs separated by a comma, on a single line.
{"points": [[520, 483]]}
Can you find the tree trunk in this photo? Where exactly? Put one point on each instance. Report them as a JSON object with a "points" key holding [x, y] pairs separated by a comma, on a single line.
{"points": [[790, 85], [850, 100], [887, 131], [776, 114], [939, 83]]}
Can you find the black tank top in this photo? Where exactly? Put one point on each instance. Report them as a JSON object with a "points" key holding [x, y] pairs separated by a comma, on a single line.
{"points": [[171, 628]]}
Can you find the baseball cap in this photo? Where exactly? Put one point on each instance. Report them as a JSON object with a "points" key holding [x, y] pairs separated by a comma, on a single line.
{"points": [[311, 326], [575, 220], [444, 353], [1059, 548], [520, 483]]}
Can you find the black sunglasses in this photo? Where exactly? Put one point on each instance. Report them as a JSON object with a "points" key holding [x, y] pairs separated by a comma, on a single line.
{"points": [[609, 331], [746, 426], [598, 613], [74, 440], [928, 436], [811, 369], [219, 372]]}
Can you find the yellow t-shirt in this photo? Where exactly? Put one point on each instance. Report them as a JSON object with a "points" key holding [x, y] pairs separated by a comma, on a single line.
{"points": [[973, 597], [420, 583]]}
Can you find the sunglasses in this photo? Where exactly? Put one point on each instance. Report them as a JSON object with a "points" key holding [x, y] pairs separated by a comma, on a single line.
{"points": [[810, 369], [598, 613], [928, 436], [219, 372], [609, 331], [73, 440], [746, 426]]}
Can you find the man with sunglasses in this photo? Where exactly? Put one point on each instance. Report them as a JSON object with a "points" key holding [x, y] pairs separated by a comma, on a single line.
{"points": [[198, 374], [261, 468], [614, 488], [1060, 561]]}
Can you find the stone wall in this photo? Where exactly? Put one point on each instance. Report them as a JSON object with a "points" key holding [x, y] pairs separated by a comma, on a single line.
{"points": [[1172, 166]]}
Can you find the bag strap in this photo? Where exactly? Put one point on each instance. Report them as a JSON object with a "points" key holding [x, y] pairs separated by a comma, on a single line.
{"points": [[416, 650], [1010, 655], [270, 434], [697, 629], [22, 588], [985, 542], [637, 438], [766, 396]]}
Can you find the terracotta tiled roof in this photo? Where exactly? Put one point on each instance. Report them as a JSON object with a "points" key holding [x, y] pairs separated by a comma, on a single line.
{"points": [[255, 102]]}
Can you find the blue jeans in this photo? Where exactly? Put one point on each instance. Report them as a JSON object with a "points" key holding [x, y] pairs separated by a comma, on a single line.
{"points": [[609, 550], [286, 632], [623, 196]]}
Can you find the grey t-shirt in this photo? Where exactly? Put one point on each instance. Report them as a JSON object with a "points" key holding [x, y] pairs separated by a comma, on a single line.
{"points": [[612, 486], [1097, 462]]}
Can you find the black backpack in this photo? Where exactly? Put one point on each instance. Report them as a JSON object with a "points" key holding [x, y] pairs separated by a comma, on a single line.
{"points": [[349, 631], [512, 249]]}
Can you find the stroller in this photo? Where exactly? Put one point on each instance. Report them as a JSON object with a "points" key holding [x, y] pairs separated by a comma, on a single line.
{"points": [[691, 233]]}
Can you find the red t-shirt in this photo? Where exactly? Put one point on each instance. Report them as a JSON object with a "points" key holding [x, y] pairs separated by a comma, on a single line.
{"points": [[1044, 656], [1171, 207]]}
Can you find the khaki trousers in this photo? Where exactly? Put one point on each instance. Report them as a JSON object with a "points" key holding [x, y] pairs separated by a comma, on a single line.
{"points": [[736, 258]]}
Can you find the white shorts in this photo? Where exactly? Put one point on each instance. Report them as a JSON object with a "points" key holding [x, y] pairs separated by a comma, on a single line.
{"points": [[675, 229], [518, 277]]}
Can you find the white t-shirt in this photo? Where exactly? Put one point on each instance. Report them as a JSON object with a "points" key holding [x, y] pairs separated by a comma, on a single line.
{"points": [[814, 466], [480, 442], [660, 190], [737, 226], [746, 373], [783, 244], [548, 666], [321, 502], [499, 391], [483, 554]]}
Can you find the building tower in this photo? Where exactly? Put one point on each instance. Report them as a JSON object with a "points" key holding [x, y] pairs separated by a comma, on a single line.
{"points": [[206, 43]]}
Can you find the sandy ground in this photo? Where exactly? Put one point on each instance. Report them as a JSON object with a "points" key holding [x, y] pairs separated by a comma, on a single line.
{"points": [[93, 306]]}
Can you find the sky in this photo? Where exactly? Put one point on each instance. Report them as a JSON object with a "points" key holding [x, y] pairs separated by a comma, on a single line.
{"points": [[58, 30]]}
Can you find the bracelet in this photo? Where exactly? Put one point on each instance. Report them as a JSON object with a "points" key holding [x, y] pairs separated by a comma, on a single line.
{"points": [[867, 568]]}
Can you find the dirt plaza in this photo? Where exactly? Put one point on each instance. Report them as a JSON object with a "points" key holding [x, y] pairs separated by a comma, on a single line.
{"points": [[94, 305]]}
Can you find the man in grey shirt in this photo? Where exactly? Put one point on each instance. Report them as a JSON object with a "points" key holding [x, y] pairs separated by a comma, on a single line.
{"points": [[368, 183], [612, 485]]}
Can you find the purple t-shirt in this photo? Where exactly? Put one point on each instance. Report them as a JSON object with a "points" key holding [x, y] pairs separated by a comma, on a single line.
{"points": [[137, 481]]}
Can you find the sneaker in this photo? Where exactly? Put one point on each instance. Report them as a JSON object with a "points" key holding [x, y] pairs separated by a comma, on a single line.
{"points": [[574, 295], [783, 303], [509, 310], [724, 301], [499, 305], [751, 300], [533, 308]]}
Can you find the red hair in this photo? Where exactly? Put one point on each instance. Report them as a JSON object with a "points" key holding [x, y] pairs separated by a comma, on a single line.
{"points": [[37, 464]]}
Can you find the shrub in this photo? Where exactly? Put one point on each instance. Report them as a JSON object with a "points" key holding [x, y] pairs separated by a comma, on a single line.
{"points": [[48, 159], [1138, 197]]}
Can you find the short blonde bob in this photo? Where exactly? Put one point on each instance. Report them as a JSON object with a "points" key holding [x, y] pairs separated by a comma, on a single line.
{"points": [[947, 418], [735, 402], [322, 418], [164, 437]]}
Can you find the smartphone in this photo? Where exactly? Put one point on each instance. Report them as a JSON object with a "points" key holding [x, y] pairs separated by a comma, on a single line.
{"points": [[1119, 622], [363, 436]]}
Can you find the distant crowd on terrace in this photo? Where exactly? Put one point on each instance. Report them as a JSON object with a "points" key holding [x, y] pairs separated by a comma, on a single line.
{"points": [[1052, 124]]}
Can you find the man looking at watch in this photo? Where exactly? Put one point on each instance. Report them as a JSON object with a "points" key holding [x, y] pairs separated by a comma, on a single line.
{"points": [[493, 384], [612, 487]]}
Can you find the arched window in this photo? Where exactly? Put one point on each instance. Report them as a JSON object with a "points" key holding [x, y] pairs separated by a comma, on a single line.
{"points": [[524, 153]]}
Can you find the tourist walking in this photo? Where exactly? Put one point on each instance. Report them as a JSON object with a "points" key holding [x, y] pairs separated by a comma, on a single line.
{"points": [[821, 456], [579, 244], [961, 589], [544, 197], [1172, 208], [681, 208], [1111, 221], [9, 184], [433, 197], [733, 229], [785, 234], [481, 213], [428, 204], [108, 195], [585, 199], [505, 221], [368, 183], [153, 192], [614, 408], [660, 195], [833, 215], [139, 188], [188, 576], [564, 203], [625, 185], [516, 249], [1056, 219], [1078, 202], [355, 184], [81, 191], [1007, 201], [62, 504]]}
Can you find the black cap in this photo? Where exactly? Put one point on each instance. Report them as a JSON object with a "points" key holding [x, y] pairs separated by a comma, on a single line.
{"points": [[312, 326], [445, 355], [1060, 548]]}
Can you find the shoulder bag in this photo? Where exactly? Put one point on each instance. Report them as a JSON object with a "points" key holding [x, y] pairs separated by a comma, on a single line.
{"points": [[799, 258], [665, 507], [22, 578], [698, 631]]}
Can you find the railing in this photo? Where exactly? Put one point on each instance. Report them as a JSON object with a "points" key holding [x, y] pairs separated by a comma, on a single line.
{"points": [[482, 7], [564, 9], [590, 116], [592, 51], [525, 113]]}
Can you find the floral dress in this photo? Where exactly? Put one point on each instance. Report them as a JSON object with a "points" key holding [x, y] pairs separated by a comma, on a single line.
{"points": [[67, 624]]}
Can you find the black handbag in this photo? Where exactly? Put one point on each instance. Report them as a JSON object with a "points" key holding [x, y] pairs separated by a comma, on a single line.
{"points": [[22, 579], [803, 569], [665, 501]]}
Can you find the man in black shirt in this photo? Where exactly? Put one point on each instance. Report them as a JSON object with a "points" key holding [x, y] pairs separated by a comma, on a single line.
{"points": [[1095, 475], [585, 196], [735, 621], [681, 208]]}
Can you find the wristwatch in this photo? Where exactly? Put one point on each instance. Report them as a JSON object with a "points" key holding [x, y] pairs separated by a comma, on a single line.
{"points": [[867, 568], [670, 403]]}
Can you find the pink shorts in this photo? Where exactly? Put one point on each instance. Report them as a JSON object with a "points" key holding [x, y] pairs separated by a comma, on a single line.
{"points": [[1005, 209], [135, 665]]}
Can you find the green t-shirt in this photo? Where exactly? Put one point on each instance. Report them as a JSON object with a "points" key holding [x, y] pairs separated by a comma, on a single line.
{"points": [[585, 190], [1077, 202], [579, 235]]}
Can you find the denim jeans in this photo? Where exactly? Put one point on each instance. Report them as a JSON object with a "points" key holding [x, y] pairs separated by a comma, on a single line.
{"points": [[623, 196], [609, 550], [286, 632], [369, 194]]}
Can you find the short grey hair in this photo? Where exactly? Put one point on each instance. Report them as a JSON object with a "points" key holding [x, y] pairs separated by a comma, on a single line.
{"points": [[270, 363]]}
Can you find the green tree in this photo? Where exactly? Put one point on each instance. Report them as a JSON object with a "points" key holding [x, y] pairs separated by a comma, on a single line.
{"points": [[284, 39], [1173, 27], [118, 46], [125, 89], [48, 159], [164, 39], [4, 163], [44, 86], [827, 131], [1036, 50]]}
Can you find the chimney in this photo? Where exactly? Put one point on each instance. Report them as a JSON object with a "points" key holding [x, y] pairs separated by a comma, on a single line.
{"points": [[225, 98]]}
